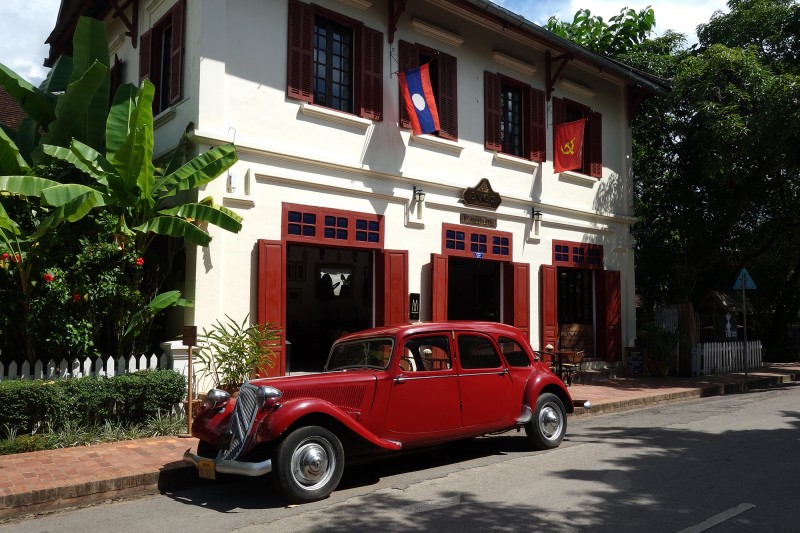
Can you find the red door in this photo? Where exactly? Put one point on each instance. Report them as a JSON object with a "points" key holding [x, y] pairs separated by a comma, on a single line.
{"points": [[272, 296], [517, 297], [392, 287], [484, 383], [609, 315], [549, 306], [439, 275]]}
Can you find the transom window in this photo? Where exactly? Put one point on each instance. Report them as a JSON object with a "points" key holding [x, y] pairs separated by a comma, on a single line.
{"points": [[477, 243], [313, 224], [577, 254]]}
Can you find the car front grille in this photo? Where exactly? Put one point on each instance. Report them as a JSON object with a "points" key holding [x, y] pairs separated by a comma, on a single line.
{"points": [[244, 412]]}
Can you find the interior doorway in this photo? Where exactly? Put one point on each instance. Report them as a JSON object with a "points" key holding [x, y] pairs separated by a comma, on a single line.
{"points": [[329, 292], [576, 310], [474, 289]]}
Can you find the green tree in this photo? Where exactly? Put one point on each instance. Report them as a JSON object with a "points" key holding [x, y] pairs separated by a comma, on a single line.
{"points": [[621, 33]]}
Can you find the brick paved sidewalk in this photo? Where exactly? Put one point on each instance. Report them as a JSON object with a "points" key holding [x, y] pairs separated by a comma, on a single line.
{"points": [[46, 481]]}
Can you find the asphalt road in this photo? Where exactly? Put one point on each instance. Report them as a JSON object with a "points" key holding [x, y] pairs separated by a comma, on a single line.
{"points": [[729, 463]]}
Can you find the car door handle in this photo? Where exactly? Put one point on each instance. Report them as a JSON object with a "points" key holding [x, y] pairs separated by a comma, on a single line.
{"points": [[503, 373], [400, 379]]}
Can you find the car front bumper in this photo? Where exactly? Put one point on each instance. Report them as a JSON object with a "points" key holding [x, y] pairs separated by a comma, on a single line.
{"points": [[241, 468]]}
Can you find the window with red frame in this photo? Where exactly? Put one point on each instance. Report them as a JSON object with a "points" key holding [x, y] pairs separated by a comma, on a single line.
{"points": [[302, 223], [577, 254], [475, 242]]}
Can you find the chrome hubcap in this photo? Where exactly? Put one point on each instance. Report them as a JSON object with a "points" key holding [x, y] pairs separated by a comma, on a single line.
{"points": [[550, 422], [312, 463]]}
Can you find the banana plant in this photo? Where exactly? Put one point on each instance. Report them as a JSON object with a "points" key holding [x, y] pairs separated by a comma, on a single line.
{"points": [[127, 184]]}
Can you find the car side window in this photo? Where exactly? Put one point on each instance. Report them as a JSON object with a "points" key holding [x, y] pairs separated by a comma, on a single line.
{"points": [[477, 352], [425, 354], [513, 352]]}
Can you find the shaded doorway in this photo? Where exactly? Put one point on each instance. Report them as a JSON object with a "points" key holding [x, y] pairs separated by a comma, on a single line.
{"points": [[576, 310], [329, 292], [473, 291]]}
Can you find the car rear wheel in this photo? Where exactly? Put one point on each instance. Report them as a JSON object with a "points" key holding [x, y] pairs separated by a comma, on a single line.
{"points": [[549, 423], [308, 464]]}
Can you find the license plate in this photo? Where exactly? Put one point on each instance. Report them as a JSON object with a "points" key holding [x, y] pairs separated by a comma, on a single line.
{"points": [[206, 469]]}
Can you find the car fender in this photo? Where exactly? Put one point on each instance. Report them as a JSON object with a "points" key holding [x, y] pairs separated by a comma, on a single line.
{"points": [[288, 413], [542, 382]]}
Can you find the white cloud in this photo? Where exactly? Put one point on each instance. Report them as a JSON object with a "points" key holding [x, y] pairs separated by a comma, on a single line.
{"points": [[24, 26]]}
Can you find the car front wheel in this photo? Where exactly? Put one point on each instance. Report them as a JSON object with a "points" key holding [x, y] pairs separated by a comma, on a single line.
{"points": [[549, 423], [308, 464]]}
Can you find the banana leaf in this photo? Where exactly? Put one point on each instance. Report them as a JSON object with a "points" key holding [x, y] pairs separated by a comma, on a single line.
{"points": [[11, 161], [175, 227], [134, 158], [6, 223], [63, 194], [120, 117], [37, 104], [74, 104], [26, 185], [217, 215], [202, 169], [90, 46], [156, 305], [58, 77]]}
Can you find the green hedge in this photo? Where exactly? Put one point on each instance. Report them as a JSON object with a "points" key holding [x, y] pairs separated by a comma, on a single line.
{"points": [[126, 399]]}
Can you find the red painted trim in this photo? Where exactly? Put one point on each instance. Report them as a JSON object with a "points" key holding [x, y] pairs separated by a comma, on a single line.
{"points": [[271, 298], [577, 255], [318, 226], [468, 232], [517, 296], [549, 305], [393, 269], [439, 279]]}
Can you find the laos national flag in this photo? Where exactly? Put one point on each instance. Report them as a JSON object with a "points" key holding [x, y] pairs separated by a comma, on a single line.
{"points": [[415, 86]]}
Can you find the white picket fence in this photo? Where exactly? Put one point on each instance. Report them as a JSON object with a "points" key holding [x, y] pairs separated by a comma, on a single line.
{"points": [[107, 367], [725, 357]]}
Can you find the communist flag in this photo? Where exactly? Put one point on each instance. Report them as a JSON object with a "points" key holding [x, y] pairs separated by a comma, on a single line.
{"points": [[415, 86], [568, 149]]}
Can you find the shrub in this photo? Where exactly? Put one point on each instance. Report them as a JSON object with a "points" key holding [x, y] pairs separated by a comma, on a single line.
{"points": [[128, 399]]}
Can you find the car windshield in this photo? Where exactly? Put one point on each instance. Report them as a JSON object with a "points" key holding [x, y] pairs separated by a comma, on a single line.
{"points": [[366, 353]]}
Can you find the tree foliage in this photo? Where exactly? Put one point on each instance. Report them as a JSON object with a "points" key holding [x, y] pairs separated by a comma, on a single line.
{"points": [[715, 163], [620, 33]]}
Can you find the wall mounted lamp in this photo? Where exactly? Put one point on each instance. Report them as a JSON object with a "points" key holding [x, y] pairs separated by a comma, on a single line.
{"points": [[536, 217], [419, 197]]}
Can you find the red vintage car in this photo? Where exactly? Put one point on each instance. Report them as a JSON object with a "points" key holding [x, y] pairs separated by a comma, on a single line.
{"points": [[383, 390]]}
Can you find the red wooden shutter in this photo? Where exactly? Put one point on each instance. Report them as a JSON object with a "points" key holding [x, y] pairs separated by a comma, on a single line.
{"points": [[439, 281], [517, 297], [145, 46], [609, 315], [491, 108], [392, 287], [272, 296], [371, 74], [447, 102], [300, 62], [538, 125], [549, 305], [176, 60], [595, 145], [409, 58]]}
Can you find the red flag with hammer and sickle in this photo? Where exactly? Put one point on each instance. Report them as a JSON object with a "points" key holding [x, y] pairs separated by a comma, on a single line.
{"points": [[568, 149]]}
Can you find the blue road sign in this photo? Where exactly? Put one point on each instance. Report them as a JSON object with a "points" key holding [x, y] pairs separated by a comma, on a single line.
{"points": [[744, 279]]}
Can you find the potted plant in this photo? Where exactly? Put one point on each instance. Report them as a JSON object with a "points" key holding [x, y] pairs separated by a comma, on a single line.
{"points": [[658, 344], [232, 352]]}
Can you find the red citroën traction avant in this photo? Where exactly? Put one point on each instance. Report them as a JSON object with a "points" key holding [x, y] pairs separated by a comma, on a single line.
{"points": [[383, 390]]}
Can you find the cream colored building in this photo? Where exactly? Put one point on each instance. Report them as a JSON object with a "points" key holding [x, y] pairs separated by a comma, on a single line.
{"points": [[336, 234]]}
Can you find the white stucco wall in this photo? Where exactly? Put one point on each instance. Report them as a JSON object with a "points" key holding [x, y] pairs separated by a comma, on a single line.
{"points": [[235, 89]]}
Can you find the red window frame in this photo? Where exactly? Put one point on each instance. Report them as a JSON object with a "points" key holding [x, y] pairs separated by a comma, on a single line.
{"points": [[331, 227], [533, 119], [467, 241], [578, 255]]}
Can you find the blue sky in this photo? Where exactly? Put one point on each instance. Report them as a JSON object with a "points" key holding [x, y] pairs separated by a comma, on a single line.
{"points": [[25, 24]]}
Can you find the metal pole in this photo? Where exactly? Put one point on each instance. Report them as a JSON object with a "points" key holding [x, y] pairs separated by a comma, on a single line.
{"points": [[744, 323], [190, 395]]}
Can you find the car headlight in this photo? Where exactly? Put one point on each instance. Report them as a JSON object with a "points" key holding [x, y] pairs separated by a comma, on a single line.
{"points": [[268, 396], [215, 398]]}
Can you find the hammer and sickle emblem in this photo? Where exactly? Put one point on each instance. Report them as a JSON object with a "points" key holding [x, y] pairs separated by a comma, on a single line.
{"points": [[569, 147]]}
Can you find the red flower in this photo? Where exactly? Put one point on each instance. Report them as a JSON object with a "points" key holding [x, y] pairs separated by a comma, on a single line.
{"points": [[16, 258], [48, 277], [5, 256], [76, 297], [139, 261]]}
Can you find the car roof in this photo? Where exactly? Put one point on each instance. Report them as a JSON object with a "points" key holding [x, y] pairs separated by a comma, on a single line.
{"points": [[399, 330]]}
